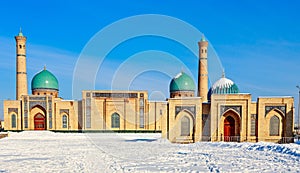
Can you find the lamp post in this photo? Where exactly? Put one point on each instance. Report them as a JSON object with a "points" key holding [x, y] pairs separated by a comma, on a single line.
{"points": [[298, 130]]}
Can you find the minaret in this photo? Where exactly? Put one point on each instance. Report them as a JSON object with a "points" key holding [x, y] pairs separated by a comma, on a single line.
{"points": [[21, 66], [202, 70]]}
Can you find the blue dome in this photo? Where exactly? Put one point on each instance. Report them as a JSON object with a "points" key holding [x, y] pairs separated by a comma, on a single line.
{"points": [[182, 82], [44, 80]]}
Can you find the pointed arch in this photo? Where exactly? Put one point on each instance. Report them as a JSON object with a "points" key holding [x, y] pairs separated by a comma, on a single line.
{"points": [[186, 112], [185, 123], [276, 110], [38, 107], [275, 123], [115, 120], [37, 118], [231, 111], [230, 126]]}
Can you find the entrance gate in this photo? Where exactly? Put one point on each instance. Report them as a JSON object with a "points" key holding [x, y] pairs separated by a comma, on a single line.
{"points": [[229, 129], [39, 122]]}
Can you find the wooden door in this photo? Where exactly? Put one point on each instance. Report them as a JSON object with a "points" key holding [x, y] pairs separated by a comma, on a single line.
{"points": [[229, 129], [39, 122]]}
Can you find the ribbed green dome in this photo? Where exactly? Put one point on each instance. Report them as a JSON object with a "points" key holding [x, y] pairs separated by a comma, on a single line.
{"points": [[224, 86], [44, 80], [182, 82]]}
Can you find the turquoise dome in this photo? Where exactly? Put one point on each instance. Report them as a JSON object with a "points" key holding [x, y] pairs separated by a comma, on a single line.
{"points": [[224, 86], [182, 82], [44, 80]]}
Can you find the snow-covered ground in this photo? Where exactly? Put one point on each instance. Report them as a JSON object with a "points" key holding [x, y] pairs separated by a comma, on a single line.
{"points": [[45, 151]]}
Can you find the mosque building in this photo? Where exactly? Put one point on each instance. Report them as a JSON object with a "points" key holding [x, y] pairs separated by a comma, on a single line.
{"points": [[220, 113]]}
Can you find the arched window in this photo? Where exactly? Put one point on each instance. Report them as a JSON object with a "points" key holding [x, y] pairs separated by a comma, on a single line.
{"points": [[115, 120], [274, 126], [185, 126], [64, 121], [13, 121]]}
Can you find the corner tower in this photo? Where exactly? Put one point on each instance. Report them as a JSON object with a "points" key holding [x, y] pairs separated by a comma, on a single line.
{"points": [[202, 70], [21, 79]]}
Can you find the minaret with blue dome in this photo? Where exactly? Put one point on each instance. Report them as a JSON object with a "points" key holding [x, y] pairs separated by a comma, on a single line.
{"points": [[21, 78], [203, 70]]}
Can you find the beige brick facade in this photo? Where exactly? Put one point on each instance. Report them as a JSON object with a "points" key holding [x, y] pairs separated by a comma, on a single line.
{"points": [[225, 115]]}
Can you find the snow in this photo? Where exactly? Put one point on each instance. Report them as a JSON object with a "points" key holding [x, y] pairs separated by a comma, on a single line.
{"points": [[222, 83], [178, 75], [44, 151]]}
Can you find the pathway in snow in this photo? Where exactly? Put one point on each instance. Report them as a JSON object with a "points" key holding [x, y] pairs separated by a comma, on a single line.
{"points": [[68, 152]]}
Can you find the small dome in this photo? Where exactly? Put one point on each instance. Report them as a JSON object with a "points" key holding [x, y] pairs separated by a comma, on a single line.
{"points": [[182, 82], [44, 80], [224, 86]]}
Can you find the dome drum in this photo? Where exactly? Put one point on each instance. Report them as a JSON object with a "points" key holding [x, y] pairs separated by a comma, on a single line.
{"points": [[42, 91], [176, 94]]}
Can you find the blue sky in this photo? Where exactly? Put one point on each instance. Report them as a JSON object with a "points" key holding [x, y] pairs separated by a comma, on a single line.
{"points": [[258, 42]]}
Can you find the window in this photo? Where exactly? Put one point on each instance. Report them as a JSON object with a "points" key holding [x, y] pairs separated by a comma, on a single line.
{"points": [[13, 121], [185, 126], [20, 46], [142, 124], [115, 120], [253, 125], [141, 102], [64, 121], [88, 113], [274, 126]]}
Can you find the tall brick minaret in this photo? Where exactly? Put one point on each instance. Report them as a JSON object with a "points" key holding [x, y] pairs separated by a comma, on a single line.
{"points": [[203, 70], [21, 87]]}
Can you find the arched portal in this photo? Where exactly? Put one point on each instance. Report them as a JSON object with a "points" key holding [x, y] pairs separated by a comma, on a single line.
{"points": [[229, 128], [184, 130], [39, 122]]}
